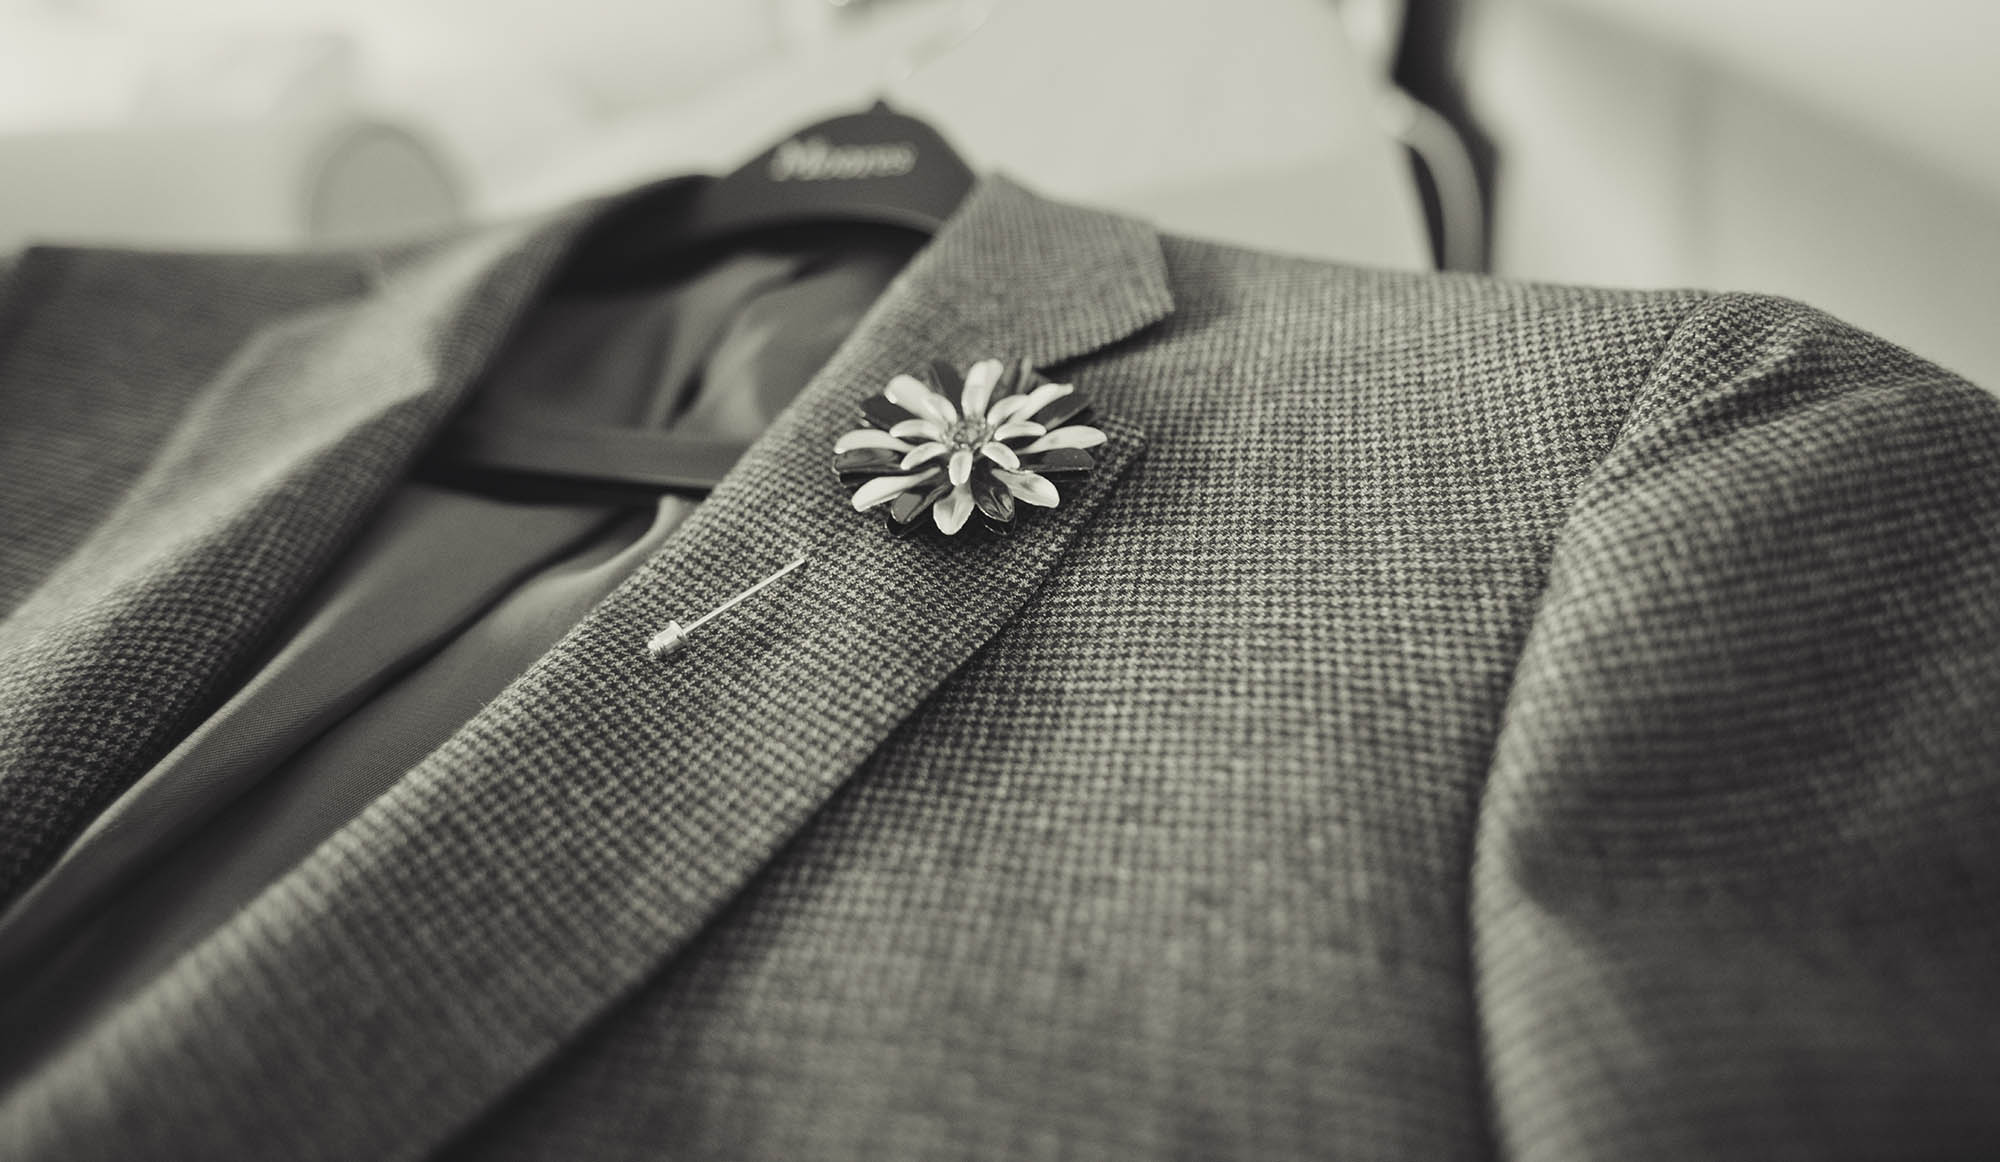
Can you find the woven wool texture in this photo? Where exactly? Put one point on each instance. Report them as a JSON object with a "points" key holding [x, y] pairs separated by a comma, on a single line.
{"points": [[1460, 719], [189, 442]]}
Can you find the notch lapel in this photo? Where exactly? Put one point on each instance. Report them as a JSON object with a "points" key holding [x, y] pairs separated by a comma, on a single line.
{"points": [[576, 835]]}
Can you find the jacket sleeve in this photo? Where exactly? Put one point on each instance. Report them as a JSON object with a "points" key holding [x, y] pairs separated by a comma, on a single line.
{"points": [[1736, 887]]}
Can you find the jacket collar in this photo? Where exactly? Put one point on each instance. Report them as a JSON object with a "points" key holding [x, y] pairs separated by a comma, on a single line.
{"points": [[577, 834]]}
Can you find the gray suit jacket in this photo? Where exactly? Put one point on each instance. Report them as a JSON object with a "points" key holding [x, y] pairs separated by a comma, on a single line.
{"points": [[1459, 719]]}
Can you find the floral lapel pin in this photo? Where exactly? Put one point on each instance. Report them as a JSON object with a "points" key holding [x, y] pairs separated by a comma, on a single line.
{"points": [[1006, 442]]}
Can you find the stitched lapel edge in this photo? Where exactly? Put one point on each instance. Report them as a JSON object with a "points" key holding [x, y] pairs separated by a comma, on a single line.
{"points": [[475, 919]]}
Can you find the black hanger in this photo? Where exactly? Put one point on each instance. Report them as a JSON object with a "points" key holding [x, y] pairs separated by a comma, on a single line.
{"points": [[879, 168]]}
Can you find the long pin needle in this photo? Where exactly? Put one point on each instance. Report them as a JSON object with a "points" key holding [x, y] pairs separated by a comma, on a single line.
{"points": [[669, 639]]}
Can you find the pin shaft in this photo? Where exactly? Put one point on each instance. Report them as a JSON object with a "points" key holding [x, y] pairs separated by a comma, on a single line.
{"points": [[670, 638]]}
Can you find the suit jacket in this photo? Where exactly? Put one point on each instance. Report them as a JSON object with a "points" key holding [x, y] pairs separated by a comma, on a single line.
{"points": [[1459, 718]]}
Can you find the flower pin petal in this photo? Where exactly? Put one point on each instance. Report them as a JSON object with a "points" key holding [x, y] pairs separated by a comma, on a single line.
{"points": [[951, 449]]}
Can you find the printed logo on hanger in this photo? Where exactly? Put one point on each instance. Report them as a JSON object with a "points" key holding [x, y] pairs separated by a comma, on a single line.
{"points": [[816, 159]]}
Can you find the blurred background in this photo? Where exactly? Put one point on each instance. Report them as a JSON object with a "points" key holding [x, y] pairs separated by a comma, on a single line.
{"points": [[1838, 151]]}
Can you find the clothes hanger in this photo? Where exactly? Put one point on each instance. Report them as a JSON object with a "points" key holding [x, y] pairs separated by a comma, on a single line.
{"points": [[1247, 123], [877, 168]]}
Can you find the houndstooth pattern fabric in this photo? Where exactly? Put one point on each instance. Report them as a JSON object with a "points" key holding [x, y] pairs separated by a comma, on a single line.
{"points": [[1463, 719], [189, 442]]}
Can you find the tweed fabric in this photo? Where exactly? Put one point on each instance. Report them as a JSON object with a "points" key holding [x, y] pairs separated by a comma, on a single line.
{"points": [[1463, 718], [189, 443], [1737, 891], [100, 353], [1176, 865]]}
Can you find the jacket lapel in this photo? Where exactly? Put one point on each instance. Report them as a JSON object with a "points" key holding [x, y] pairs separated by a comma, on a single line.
{"points": [[273, 466], [583, 828]]}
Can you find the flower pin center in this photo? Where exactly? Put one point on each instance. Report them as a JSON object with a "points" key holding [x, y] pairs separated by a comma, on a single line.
{"points": [[954, 444]]}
